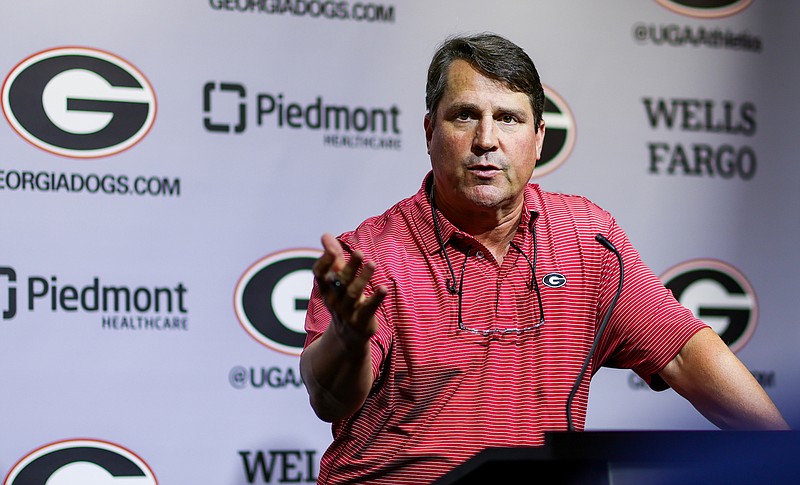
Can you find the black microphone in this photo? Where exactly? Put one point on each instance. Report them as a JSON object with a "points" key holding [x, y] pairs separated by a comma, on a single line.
{"points": [[606, 244]]}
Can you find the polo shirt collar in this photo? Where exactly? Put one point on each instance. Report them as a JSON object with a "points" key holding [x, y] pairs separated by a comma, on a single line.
{"points": [[423, 220]]}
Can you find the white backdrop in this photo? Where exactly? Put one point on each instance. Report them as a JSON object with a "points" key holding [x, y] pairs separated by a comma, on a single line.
{"points": [[200, 233]]}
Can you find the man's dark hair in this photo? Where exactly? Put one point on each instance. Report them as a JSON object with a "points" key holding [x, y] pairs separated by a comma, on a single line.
{"points": [[493, 56]]}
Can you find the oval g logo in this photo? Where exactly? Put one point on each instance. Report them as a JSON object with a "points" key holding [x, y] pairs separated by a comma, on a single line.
{"points": [[706, 8], [718, 294], [79, 102], [271, 299], [78, 462], [560, 129], [554, 280]]}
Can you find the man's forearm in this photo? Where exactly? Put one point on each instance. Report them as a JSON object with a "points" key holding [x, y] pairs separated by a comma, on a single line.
{"points": [[713, 379], [337, 372]]}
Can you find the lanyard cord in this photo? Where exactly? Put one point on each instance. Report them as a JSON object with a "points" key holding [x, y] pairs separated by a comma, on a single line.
{"points": [[450, 283]]}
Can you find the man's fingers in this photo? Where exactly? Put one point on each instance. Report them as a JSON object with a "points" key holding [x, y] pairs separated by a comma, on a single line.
{"points": [[326, 266], [355, 290], [350, 270], [332, 261], [365, 318], [331, 244], [332, 258], [342, 283], [352, 281]]}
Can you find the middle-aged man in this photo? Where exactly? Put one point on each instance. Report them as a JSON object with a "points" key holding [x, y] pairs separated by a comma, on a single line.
{"points": [[460, 319]]}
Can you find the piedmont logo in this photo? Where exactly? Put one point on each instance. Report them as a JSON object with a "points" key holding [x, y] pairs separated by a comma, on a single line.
{"points": [[79, 102], [271, 299], [706, 8], [79, 462], [10, 307], [227, 106], [560, 135], [121, 306], [718, 294]]}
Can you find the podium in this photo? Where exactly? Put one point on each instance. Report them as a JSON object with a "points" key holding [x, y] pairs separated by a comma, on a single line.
{"points": [[640, 457]]}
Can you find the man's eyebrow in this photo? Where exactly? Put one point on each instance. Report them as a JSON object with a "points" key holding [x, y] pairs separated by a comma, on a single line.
{"points": [[462, 106], [472, 107], [521, 113]]}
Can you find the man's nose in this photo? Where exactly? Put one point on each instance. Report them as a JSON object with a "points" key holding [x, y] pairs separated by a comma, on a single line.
{"points": [[486, 134]]}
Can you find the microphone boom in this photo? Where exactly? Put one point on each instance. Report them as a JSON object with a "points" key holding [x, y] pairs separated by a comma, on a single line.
{"points": [[606, 244]]}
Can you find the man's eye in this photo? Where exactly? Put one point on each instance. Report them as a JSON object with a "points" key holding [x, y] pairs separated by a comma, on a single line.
{"points": [[508, 119], [463, 116]]}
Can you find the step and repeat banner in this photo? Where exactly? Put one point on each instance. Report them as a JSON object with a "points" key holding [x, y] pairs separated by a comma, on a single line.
{"points": [[167, 169]]}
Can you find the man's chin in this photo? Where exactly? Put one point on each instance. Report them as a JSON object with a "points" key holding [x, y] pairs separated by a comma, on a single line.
{"points": [[487, 196]]}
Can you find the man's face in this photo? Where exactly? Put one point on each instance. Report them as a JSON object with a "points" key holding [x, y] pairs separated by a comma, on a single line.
{"points": [[483, 143]]}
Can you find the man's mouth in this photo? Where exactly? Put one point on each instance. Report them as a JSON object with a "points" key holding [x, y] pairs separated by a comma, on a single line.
{"points": [[484, 171]]}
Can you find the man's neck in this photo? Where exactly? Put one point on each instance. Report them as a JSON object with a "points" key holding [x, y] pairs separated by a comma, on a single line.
{"points": [[497, 238], [493, 227]]}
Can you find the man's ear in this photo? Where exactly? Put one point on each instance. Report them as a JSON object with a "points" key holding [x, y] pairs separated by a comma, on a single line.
{"points": [[539, 140], [428, 124]]}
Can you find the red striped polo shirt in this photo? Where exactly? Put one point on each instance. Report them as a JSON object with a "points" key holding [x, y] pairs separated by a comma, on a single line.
{"points": [[441, 394]]}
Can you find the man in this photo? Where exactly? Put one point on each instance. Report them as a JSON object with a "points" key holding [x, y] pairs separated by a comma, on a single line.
{"points": [[431, 331]]}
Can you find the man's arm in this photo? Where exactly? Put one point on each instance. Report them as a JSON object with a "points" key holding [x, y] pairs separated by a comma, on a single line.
{"points": [[713, 379], [337, 367]]}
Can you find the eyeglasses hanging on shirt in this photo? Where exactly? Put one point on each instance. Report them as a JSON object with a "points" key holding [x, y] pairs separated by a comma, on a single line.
{"points": [[450, 283]]}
